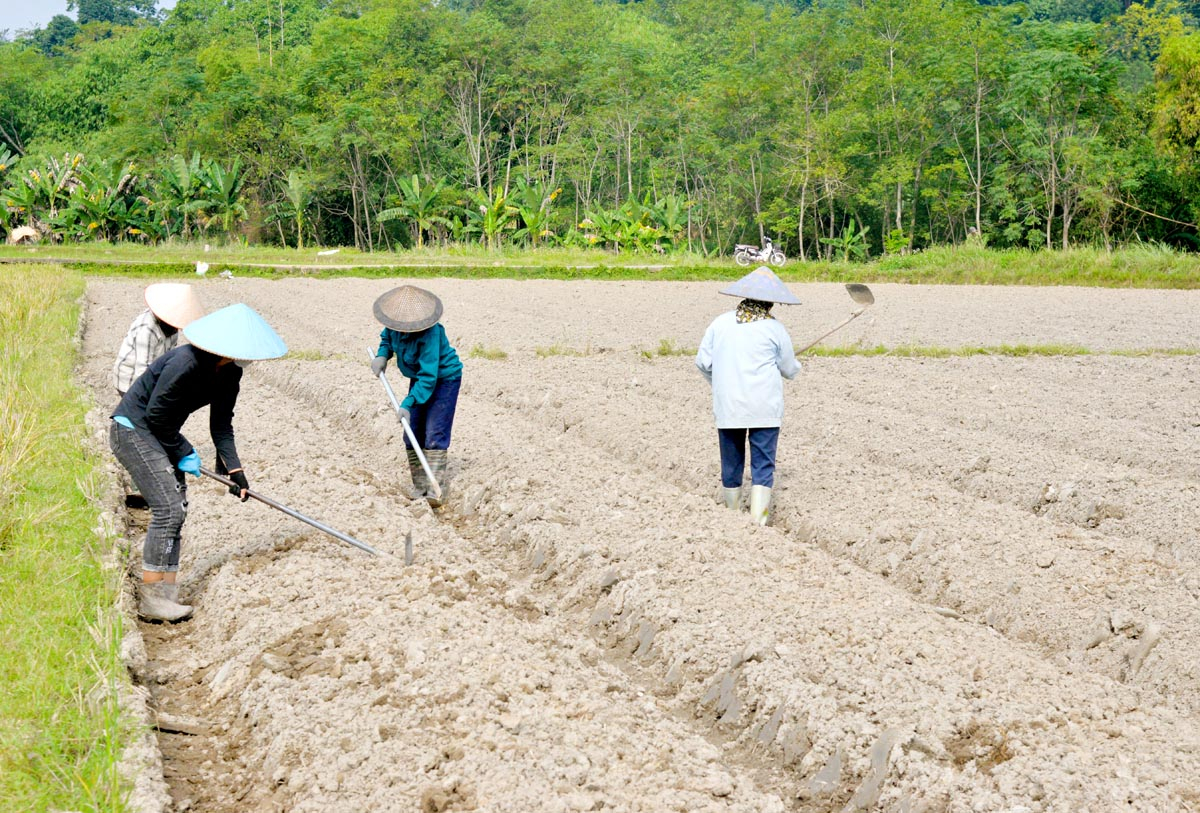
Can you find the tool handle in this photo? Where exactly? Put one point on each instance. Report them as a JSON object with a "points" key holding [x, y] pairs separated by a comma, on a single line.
{"points": [[387, 385], [838, 327], [320, 526]]}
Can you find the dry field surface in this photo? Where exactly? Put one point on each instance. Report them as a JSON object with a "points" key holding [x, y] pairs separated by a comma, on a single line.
{"points": [[979, 591]]}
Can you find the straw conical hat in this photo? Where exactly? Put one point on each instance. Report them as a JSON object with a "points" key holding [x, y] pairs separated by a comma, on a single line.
{"points": [[408, 309], [762, 284], [236, 332], [175, 303]]}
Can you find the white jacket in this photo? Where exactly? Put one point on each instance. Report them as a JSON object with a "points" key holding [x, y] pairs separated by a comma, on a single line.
{"points": [[744, 364]]}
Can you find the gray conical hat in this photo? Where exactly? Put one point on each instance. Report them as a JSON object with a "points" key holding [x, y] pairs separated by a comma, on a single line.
{"points": [[763, 285], [408, 309]]}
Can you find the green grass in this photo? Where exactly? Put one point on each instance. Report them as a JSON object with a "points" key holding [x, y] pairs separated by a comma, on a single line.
{"points": [[60, 730], [312, 355], [1011, 350], [1139, 266], [668, 347], [490, 353], [561, 350], [932, 351]]}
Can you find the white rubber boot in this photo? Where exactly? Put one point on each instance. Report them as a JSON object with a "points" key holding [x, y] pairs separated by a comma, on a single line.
{"points": [[154, 605], [760, 504], [732, 497]]}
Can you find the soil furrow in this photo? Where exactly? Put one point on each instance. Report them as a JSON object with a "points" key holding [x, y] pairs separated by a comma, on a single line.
{"points": [[600, 632], [1080, 594]]}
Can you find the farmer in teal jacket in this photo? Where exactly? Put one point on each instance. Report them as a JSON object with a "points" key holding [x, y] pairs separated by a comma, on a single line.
{"points": [[414, 336]]}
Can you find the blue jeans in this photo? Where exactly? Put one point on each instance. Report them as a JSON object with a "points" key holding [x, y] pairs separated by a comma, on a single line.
{"points": [[432, 421], [163, 487], [762, 455]]}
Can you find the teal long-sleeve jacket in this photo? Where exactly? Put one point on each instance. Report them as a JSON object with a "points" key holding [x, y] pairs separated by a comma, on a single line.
{"points": [[425, 356]]}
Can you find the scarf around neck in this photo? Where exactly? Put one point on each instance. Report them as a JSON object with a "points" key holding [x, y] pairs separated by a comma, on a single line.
{"points": [[752, 310]]}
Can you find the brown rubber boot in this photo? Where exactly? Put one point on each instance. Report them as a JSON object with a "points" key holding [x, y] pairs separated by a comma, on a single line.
{"points": [[154, 603]]}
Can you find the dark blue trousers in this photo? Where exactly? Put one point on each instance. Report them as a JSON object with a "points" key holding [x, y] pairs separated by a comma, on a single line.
{"points": [[433, 420], [762, 455]]}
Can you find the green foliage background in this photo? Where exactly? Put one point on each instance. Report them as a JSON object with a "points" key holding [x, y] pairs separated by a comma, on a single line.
{"points": [[842, 129]]}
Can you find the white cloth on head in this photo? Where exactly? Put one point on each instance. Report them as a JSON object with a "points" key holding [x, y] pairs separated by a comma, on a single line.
{"points": [[144, 342], [746, 364]]}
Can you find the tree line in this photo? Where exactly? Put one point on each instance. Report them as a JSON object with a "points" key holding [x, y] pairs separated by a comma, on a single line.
{"points": [[839, 128]]}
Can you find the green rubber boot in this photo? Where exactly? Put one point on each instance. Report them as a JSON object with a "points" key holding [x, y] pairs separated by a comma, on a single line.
{"points": [[437, 464], [419, 478]]}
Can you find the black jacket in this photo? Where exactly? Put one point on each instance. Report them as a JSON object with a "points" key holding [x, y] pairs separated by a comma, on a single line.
{"points": [[175, 385]]}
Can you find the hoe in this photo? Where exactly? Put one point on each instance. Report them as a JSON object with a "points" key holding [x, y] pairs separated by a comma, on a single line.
{"points": [[320, 526], [862, 295]]}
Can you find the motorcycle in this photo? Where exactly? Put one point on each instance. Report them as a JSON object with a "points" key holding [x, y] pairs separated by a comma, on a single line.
{"points": [[746, 254]]}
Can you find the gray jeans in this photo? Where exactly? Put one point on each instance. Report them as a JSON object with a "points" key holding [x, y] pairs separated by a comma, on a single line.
{"points": [[163, 487]]}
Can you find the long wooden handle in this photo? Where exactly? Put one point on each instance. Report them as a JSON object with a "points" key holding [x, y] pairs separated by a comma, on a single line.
{"points": [[818, 340]]}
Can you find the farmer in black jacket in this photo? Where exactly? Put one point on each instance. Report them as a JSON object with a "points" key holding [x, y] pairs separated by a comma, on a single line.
{"points": [[145, 435]]}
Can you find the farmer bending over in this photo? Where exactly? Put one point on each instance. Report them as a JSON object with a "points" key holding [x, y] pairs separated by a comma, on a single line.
{"points": [[743, 355], [413, 335], [145, 435]]}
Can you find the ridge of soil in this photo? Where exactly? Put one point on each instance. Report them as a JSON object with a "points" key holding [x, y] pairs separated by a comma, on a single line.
{"points": [[978, 592]]}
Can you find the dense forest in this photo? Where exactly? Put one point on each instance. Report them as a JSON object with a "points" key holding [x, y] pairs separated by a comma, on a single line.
{"points": [[838, 127]]}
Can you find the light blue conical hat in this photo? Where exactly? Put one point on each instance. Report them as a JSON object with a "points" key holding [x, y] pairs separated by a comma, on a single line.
{"points": [[762, 284], [236, 332]]}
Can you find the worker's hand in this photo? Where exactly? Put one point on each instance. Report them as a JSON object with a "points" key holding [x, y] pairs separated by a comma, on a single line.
{"points": [[243, 485], [190, 464], [377, 365], [403, 415]]}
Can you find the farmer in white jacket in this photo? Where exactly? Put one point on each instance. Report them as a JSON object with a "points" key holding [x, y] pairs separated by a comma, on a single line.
{"points": [[746, 353]]}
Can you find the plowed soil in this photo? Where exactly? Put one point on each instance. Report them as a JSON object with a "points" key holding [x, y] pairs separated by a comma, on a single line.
{"points": [[978, 592]]}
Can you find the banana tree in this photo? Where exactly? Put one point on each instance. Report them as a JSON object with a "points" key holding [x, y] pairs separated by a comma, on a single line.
{"points": [[105, 205], [179, 185], [220, 200], [53, 183], [600, 226], [634, 231], [853, 241], [670, 217], [533, 202], [20, 203], [298, 196], [418, 205], [491, 217]]}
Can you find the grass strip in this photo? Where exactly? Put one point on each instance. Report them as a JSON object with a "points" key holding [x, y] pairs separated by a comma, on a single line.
{"points": [[935, 352], [61, 733], [1136, 266], [668, 348]]}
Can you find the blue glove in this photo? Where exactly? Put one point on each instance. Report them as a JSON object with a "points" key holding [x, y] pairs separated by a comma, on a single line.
{"points": [[190, 464]]}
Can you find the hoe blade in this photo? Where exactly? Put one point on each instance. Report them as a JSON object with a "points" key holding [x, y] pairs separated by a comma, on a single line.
{"points": [[860, 293]]}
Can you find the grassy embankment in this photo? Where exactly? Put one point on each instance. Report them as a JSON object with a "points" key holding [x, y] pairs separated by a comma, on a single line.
{"points": [[60, 729], [1133, 267]]}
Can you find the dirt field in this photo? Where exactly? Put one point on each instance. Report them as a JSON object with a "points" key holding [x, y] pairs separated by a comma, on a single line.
{"points": [[979, 592]]}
